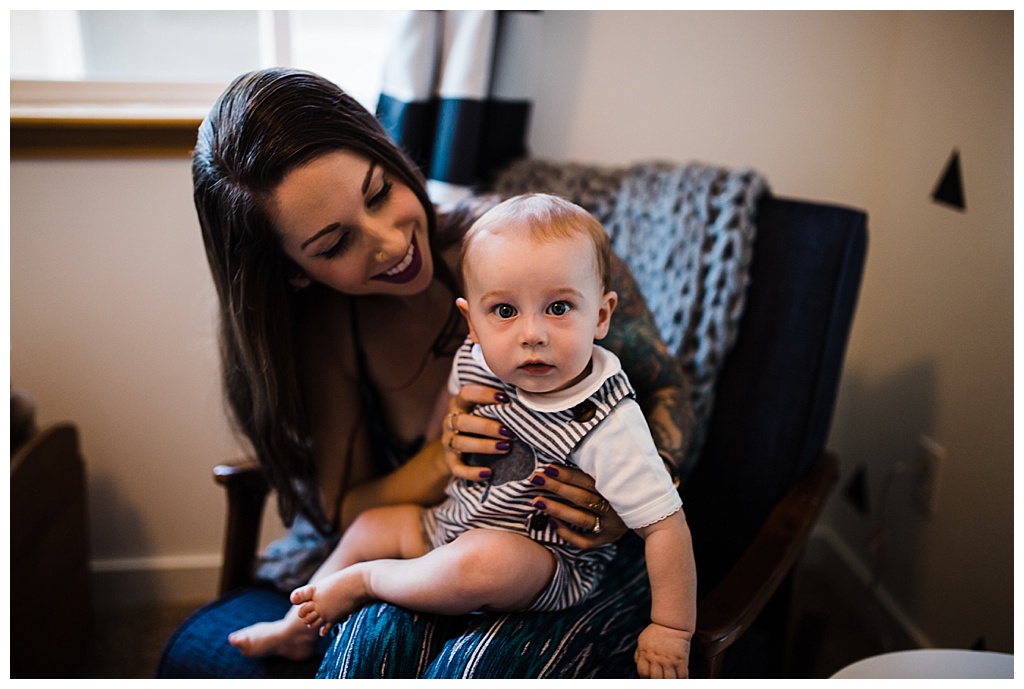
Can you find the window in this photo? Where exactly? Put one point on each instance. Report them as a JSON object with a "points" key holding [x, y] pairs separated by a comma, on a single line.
{"points": [[160, 70]]}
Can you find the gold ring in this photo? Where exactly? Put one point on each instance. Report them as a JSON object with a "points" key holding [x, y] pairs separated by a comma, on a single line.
{"points": [[451, 420], [598, 528], [451, 440], [601, 506]]}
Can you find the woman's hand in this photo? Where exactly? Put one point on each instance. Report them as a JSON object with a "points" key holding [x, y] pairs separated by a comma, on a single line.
{"points": [[465, 432], [579, 506]]}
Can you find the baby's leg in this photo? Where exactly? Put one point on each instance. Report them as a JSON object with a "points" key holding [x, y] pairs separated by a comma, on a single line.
{"points": [[393, 531], [480, 570]]}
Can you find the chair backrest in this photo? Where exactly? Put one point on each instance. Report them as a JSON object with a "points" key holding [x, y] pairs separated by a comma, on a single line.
{"points": [[776, 390]]}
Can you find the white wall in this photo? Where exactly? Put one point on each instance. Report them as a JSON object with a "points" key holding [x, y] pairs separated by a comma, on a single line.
{"points": [[112, 317]]}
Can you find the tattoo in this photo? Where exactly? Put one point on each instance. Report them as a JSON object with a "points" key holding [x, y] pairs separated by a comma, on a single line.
{"points": [[661, 387]]}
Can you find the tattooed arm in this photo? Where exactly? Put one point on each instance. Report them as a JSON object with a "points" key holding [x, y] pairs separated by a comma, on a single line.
{"points": [[661, 388]]}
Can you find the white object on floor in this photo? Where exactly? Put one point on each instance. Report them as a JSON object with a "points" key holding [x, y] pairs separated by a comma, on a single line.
{"points": [[931, 663]]}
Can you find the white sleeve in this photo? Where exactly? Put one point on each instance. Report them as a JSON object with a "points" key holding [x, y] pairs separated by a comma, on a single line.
{"points": [[453, 380], [621, 457]]}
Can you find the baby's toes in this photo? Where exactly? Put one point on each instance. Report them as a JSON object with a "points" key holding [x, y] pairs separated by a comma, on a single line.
{"points": [[302, 594]]}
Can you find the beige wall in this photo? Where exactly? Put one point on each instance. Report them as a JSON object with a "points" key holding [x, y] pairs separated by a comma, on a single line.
{"points": [[111, 315], [861, 109]]}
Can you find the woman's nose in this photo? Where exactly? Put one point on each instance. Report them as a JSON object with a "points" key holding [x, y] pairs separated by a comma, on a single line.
{"points": [[386, 244]]}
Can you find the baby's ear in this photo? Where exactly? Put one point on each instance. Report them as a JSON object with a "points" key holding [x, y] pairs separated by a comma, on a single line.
{"points": [[464, 308], [604, 313]]}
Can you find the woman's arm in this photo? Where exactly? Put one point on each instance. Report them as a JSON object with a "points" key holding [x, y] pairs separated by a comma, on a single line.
{"points": [[661, 388], [423, 478], [420, 481]]}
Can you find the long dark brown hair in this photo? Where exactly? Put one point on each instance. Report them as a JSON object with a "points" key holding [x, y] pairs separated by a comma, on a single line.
{"points": [[264, 125]]}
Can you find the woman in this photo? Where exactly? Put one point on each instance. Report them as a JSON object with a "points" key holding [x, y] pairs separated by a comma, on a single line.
{"points": [[338, 328]]}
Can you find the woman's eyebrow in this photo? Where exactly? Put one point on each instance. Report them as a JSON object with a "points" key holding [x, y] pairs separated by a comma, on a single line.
{"points": [[330, 228], [334, 226], [369, 176]]}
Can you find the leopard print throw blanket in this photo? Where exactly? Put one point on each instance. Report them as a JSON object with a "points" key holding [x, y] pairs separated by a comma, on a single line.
{"points": [[687, 233]]}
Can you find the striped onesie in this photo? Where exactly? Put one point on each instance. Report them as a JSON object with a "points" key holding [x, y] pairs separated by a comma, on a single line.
{"points": [[575, 427]]}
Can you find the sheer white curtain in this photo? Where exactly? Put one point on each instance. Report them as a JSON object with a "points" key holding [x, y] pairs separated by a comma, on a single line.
{"points": [[457, 93]]}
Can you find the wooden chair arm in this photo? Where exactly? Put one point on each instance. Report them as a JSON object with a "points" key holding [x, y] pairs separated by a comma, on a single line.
{"points": [[730, 609], [247, 489]]}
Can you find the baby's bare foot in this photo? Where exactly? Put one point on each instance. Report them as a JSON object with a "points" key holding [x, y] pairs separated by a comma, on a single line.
{"points": [[331, 599], [288, 638]]}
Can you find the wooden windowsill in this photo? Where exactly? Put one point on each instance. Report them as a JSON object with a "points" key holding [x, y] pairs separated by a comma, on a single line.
{"points": [[79, 137], [106, 119]]}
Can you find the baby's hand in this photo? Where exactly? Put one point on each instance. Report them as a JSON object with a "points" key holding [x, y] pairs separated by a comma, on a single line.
{"points": [[663, 653]]}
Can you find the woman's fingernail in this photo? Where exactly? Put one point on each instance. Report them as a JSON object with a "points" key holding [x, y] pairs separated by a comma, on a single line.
{"points": [[537, 480], [507, 432], [503, 445], [551, 471], [540, 505], [486, 473], [501, 397]]}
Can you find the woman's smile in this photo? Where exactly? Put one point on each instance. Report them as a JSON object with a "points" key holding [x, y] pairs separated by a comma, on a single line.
{"points": [[405, 270]]}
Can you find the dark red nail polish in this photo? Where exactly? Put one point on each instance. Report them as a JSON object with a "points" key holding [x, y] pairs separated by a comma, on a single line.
{"points": [[507, 432], [501, 397], [537, 480], [551, 471], [486, 473], [503, 445], [540, 505]]}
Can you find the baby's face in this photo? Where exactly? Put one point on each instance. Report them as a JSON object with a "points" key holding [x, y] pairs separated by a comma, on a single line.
{"points": [[535, 307]]}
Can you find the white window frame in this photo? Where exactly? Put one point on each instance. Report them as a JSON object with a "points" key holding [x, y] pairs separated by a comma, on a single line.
{"points": [[144, 102], [60, 118]]}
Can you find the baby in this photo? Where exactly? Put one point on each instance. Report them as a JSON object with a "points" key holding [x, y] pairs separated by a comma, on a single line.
{"points": [[535, 270]]}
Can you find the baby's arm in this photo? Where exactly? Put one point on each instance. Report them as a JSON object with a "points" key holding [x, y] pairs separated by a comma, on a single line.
{"points": [[663, 649]]}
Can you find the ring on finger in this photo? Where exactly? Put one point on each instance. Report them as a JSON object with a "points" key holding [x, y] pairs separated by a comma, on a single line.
{"points": [[598, 527], [451, 440], [601, 506], [451, 421]]}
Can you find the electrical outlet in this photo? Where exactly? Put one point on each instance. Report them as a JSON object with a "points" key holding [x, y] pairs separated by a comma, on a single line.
{"points": [[930, 458]]}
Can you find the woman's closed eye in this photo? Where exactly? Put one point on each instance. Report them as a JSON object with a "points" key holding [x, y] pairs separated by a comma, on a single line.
{"points": [[337, 247], [382, 194]]}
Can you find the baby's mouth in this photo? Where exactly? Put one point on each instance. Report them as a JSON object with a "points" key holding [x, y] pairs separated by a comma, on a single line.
{"points": [[536, 368]]}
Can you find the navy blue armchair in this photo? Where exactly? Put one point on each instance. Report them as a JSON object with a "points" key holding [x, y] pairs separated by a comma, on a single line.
{"points": [[764, 472]]}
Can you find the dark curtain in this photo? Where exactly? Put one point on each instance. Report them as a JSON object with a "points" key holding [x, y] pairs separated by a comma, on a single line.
{"points": [[457, 93]]}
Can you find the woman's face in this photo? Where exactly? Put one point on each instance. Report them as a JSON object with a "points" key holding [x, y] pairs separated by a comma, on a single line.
{"points": [[353, 226]]}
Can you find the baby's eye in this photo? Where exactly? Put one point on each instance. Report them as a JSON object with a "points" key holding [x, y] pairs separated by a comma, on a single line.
{"points": [[504, 311], [560, 308]]}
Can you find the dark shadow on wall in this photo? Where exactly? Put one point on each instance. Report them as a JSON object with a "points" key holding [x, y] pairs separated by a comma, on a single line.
{"points": [[119, 522], [877, 429]]}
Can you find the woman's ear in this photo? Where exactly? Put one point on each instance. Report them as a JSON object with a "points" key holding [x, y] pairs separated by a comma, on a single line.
{"points": [[604, 313], [464, 308], [299, 282]]}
